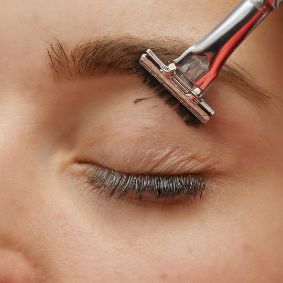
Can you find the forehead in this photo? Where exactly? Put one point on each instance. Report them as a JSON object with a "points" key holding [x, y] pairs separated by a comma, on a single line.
{"points": [[86, 18], [27, 27]]}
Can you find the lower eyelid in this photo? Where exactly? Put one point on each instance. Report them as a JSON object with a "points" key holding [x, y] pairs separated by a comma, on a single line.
{"points": [[147, 187]]}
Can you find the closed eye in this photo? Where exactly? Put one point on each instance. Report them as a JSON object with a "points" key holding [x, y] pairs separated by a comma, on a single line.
{"points": [[114, 184]]}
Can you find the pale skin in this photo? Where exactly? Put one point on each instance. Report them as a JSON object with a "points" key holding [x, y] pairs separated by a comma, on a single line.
{"points": [[53, 229]]}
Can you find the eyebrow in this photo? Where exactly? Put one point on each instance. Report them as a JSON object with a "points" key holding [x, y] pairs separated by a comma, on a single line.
{"points": [[118, 56]]}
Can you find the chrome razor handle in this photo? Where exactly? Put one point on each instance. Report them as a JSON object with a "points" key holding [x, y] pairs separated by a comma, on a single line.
{"points": [[219, 44], [190, 74]]}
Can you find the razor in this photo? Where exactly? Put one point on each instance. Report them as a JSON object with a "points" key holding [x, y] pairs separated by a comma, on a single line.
{"points": [[189, 76]]}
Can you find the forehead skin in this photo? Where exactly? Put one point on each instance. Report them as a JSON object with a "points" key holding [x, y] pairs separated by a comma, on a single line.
{"points": [[52, 230]]}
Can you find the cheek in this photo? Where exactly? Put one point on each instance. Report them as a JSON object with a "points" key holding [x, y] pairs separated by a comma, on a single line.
{"points": [[213, 240], [216, 256]]}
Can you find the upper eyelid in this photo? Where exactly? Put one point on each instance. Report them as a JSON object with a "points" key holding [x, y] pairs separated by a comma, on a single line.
{"points": [[159, 153]]}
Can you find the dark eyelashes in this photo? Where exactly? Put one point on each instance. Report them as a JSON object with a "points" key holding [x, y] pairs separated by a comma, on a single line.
{"points": [[115, 184]]}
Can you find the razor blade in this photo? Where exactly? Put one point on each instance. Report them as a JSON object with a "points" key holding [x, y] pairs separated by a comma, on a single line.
{"points": [[178, 84]]}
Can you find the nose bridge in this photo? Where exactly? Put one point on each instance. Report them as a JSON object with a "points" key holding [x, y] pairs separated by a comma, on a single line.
{"points": [[15, 267]]}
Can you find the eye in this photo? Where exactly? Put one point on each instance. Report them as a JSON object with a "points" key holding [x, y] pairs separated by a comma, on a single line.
{"points": [[113, 184]]}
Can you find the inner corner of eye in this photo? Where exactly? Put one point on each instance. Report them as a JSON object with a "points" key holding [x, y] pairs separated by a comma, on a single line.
{"points": [[117, 185]]}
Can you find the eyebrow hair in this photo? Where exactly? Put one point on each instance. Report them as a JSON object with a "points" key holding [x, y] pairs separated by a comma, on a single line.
{"points": [[118, 56]]}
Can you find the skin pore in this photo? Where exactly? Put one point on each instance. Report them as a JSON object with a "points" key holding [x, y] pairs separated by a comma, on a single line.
{"points": [[54, 228]]}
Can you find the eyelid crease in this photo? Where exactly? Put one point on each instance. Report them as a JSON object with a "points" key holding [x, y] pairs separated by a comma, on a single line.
{"points": [[117, 185]]}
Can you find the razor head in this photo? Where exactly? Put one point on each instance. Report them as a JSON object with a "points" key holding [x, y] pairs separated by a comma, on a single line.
{"points": [[179, 85]]}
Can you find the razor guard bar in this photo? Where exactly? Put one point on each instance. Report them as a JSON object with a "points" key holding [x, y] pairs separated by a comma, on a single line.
{"points": [[174, 85]]}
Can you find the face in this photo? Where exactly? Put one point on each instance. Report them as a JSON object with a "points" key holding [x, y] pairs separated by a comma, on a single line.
{"points": [[65, 128]]}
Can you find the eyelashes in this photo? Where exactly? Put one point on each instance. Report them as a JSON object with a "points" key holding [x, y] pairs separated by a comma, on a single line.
{"points": [[115, 184], [163, 93]]}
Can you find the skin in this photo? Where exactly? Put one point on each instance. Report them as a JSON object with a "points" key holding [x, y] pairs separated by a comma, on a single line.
{"points": [[53, 229]]}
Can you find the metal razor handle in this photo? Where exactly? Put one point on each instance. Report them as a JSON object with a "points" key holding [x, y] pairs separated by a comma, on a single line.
{"points": [[220, 43], [190, 74]]}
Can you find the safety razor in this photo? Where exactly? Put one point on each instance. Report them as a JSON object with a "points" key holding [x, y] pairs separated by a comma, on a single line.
{"points": [[188, 77]]}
